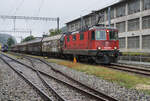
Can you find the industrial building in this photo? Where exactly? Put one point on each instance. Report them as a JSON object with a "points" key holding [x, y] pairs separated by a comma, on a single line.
{"points": [[131, 17]]}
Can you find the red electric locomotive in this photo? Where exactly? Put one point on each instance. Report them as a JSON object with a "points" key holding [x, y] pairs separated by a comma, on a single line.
{"points": [[99, 44]]}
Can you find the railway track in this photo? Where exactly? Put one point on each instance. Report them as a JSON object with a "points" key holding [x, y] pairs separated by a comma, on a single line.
{"points": [[61, 85], [131, 69]]}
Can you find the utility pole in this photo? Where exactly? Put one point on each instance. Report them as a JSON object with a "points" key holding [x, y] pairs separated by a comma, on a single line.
{"points": [[81, 22], [58, 23], [14, 21], [30, 32]]}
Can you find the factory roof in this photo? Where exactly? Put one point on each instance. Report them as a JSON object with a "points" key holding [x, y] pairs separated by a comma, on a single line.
{"points": [[113, 4]]}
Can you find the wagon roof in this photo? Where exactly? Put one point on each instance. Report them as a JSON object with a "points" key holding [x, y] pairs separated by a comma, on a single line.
{"points": [[57, 37]]}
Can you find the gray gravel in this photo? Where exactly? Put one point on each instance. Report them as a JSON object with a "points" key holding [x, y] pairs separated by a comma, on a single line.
{"points": [[14, 88]]}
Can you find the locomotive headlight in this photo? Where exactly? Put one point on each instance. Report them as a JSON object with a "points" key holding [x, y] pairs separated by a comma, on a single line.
{"points": [[115, 48], [99, 48]]}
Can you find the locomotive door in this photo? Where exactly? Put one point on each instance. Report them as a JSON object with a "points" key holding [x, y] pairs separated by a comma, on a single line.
{"points": [[91, 39]]}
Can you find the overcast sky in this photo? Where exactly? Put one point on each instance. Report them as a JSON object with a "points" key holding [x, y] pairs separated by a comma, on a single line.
{"points": [[65, 9]]}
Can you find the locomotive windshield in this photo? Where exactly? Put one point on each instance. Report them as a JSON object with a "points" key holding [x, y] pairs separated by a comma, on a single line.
{"points": [[100, 35], [113, 35]]}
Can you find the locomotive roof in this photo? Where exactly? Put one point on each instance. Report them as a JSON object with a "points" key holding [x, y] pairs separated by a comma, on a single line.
{"points": [[52, 38]]}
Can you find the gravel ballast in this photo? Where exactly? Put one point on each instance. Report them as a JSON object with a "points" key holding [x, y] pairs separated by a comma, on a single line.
{"points": [[13, 87]]}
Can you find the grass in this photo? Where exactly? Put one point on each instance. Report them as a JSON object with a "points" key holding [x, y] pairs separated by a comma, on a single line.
{"points": [[122, 78], [135, 53]]}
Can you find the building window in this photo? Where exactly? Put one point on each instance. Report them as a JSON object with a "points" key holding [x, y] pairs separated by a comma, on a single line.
{"points": [[120, 10], [111, 13], [72, 27], [146, 22], [87, 22], [69, 27], [133, 6], [133, 24], [74, 37], [121, 26], [146, 4], [93, 19], [146, 41], [122, 43], [102, 16], [76, 26], [133, 42], [82, 36]]}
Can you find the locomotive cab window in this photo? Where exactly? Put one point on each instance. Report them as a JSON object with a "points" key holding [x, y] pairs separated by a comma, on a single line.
{"points": [[68, 39], [74, 37], [100, 35], [113, 35], [81, 36]]}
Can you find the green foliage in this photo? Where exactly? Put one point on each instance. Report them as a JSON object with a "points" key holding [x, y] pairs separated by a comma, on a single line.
{"points": [[54, 32], [29, 38], [10, 42]]}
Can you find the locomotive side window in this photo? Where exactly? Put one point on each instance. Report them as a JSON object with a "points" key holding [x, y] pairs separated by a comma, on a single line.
{"points": [[68, 38], [74, 37], [100, 35], [81, 36], [93, 35], [113, 35]]}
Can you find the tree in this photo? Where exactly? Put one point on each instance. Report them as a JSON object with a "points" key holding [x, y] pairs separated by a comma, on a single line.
{"points": [[10, 42], [29, 38], [54, 32]]}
